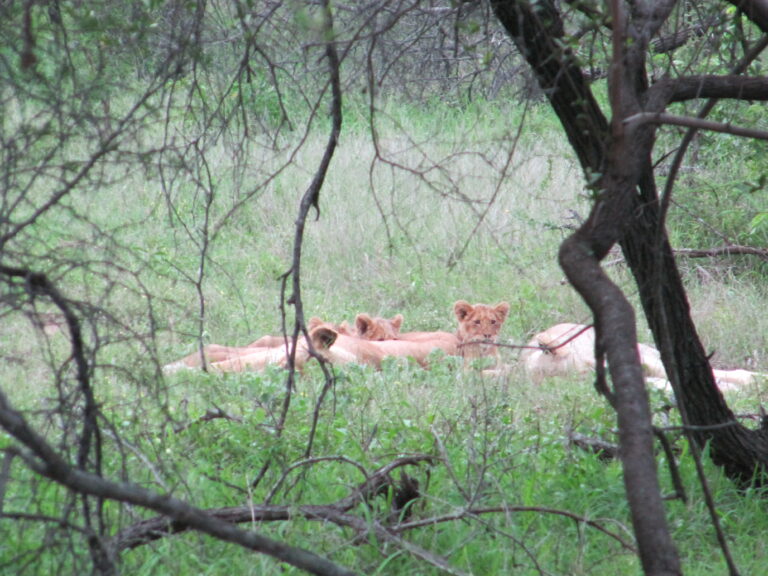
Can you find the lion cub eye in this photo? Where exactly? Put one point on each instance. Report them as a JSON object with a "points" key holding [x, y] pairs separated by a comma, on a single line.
{"points": [[477, 322]]}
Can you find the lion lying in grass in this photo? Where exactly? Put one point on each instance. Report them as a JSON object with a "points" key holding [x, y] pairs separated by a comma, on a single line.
{"points": [[369, 341], [478, 328], [338, 348], [566, 349], [269, 350]]}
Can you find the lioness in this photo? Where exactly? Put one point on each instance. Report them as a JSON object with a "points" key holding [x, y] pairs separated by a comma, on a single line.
{"points": [[570, 349], [558, 351], [272, 349], [339, 348], [214, 353], [567, 349], [479, 327]]}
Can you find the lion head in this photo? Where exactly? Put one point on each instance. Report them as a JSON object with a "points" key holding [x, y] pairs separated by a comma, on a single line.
{"points": [[378, 328], [478, 325]]}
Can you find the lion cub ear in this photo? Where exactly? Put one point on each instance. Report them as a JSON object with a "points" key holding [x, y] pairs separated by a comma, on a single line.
{"points": [[397, 321], [323, 337], [502, 309], [363, 324], [462, 309], [313, 323]]}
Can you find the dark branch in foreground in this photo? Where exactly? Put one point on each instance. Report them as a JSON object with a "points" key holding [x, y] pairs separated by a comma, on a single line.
{"points": [[156, 528], [693, 87], [43, 459], [698, 123], [376, 484]]}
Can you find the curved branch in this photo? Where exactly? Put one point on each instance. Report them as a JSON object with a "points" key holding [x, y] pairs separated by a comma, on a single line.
{"points": [[37, 283], [44, 460], [311, 199], [469, 512], [614, 316], [698, 123], [619, 158]]}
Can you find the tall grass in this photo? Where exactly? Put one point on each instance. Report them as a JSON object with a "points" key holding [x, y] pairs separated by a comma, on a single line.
{"points": [[454, 204]]}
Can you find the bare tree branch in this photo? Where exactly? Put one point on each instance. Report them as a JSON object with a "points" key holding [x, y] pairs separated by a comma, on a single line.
{"points": [[43, 459], [539, 35], [698, 123], [470, 512], [686, 88], [311, 199]]}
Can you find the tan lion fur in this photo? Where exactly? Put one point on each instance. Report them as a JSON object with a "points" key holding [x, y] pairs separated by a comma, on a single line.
{"points": [[257, 359], [479, 328], [377, 328], [369, 341], [338, 348], [566, 349], [272, 349], [213, 353], [569, 348]]}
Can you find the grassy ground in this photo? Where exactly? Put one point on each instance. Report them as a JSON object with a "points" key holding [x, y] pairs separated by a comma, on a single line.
{"points": [[453, 206]]}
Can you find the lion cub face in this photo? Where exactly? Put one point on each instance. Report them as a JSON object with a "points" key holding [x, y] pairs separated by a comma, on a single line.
{"points": [[479, 323], [366, 327], [378, 328]]}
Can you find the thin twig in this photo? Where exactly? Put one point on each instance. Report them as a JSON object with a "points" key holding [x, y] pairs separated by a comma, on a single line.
{"points": [[698, 123], [674, 472]]}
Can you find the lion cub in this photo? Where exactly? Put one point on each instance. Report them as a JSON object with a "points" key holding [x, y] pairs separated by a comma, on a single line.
{"points": [[272, 350], [339, 348], [479, 328], [376, 328]]}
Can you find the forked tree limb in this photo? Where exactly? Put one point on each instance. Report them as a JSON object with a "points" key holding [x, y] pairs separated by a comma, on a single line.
{"points": [[539, 34]]}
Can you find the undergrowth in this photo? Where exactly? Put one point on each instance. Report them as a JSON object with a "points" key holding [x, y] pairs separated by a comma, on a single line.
{"points": [[451, 205]]}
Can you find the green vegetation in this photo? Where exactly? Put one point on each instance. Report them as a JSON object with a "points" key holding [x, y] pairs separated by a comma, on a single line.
{"points": [[393, 236], [181, 234]]}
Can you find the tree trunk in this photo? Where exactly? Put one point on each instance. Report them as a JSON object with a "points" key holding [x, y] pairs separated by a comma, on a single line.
{"points": [[739, 450], [617, 162], [538, 32], [539, 36]]}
